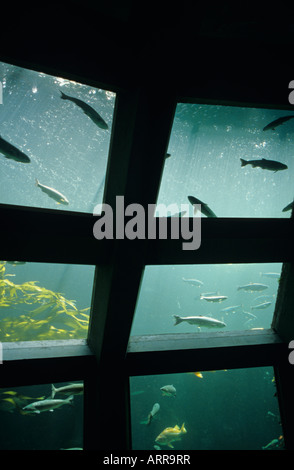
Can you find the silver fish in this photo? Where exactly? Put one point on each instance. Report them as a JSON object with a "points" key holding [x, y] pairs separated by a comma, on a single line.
{"points": [[72, 389], [200, 321], [193, 282], [47, 405], [155, 409], [168, 390], [253, 287], [213, 298], [272, 275], [53, 193], [261, 306], [231, 309]]}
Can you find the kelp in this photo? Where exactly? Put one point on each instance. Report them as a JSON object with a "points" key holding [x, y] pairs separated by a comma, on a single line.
{"points": [[51, 316]]}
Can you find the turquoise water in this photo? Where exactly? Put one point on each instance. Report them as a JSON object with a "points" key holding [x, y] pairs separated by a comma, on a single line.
{"points": [[223, 410], [206, 145], [166, 291], [68, 151], [61, 428]]}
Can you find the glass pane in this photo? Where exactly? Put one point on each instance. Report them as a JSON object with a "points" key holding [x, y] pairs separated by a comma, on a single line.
{"points": [[234, 410], [187, 298], [42, 417], [54, 142], [40, 301], [206, 146]]}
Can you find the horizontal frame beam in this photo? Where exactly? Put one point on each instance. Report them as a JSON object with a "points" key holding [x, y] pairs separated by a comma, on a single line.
{"points": [[172, 353], [37, 362], [68, 238]]}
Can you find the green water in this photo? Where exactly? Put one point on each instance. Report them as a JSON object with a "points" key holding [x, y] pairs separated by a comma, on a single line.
{"points": [[223, 410]]}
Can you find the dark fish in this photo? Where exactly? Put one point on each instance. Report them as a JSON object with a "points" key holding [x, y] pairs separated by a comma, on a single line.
{"points": [[13, 153], [277, 122], [204, 207], [88, 110], [288, 207], [271, 165]]}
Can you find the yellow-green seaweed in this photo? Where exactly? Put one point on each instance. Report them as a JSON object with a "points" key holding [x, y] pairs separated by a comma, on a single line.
{"points": [[52, 316]]}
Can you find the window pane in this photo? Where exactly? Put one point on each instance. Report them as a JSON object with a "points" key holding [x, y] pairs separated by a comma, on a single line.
{"points": [[40, 301], [28, 424], [63, 128], [229, 296], [206, 146], [230, 409]]}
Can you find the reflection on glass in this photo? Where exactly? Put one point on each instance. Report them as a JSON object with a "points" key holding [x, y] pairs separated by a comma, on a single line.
{"points": [[209, 410], [210, 147], [54, 142], [41, 301], [42, 417], [188, 299]]}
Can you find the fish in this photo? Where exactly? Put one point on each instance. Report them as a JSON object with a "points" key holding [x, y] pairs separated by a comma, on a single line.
{"points": [[200, 321], [248, 314], [169, 435], [271, 165], [273, 443], [263, 298], [47, 405], [197, 374], [168, 391], [72, 448], [253, 287], [232, 309], [13, 153], [272, 275], [72, 389], [193, 282], [177, 214], [155, 409], [288, 207], [277, 122], [15, 402], [261, 306], [205, 209], [53, 193], [88, 110], [213, 298]]}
